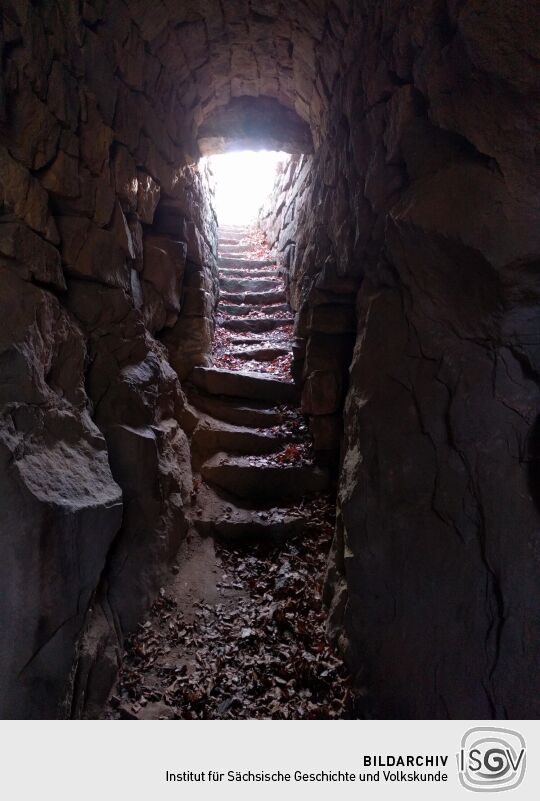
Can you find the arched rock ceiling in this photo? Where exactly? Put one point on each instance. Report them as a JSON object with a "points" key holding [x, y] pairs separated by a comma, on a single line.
{"points": [[254, 123], [214, 52]]}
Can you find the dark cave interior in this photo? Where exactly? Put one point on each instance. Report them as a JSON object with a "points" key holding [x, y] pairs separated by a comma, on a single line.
{"points": [[407, 238]]}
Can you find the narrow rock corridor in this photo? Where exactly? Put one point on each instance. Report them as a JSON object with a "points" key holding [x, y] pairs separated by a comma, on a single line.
{"points": [[365, 369], [239, 632]]}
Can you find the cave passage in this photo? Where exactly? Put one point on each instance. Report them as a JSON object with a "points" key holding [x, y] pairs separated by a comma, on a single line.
{"points": [[171, 391], [239, 630]]}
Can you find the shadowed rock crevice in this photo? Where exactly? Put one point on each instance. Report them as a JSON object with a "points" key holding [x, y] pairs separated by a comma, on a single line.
{"points": [[406, 228]]}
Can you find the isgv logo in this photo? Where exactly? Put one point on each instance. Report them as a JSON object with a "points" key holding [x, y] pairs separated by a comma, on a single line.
{"points": [[491, 759]]}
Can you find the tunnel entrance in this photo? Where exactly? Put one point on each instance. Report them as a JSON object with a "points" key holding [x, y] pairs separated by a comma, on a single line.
{"points": [[243, 181]]}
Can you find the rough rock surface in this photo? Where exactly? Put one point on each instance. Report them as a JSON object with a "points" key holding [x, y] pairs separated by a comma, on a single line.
{"points": [[409, 236], [106, 224], [60, 507], [420, 212]]}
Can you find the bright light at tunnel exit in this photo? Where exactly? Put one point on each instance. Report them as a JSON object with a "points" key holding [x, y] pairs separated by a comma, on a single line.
{"points": [[243, 181]]}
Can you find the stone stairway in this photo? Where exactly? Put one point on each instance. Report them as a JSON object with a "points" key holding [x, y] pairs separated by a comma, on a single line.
{"points": [[248, 487]]}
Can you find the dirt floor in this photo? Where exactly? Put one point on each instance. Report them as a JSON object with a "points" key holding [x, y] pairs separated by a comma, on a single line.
{"points": [[238, 633]]}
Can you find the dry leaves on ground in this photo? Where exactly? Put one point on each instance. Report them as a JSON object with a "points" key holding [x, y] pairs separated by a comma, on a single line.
{"points": [[264, 655]]}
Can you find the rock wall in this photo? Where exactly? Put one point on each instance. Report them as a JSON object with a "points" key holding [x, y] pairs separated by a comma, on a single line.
{"points": [[108, 288], [424, 194], [321, 293], [414, 221]]}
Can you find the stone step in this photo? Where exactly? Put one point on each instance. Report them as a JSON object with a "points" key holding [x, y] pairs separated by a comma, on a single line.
{"points": [[232, 249], [260, 354], [225, 230], [236, 410], [212, 435], [260, 272], [255, 326], [249, 477], [247, 340], [249, 284], [254, 298], [254, 386], [233, 227], [248, 264], [219, 517], [234, 255], [246, 308]]}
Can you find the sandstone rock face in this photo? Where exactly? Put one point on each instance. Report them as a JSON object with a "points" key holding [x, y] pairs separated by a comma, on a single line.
{"points": [[95, 474], [138, 404], [60, 506], [324, 299], [419, 213], [408, 233], [164, 263]]}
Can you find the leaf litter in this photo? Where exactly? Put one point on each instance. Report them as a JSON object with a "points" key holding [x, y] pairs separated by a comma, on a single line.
{"points": [[265, 655], [223, 354]]}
